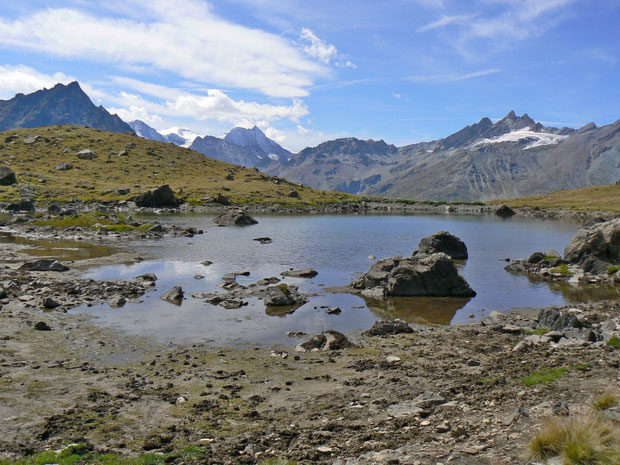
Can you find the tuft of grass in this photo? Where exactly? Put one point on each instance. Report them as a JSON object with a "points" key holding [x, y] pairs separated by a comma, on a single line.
{"points": [[549, 375], [614, 341], [613, 269], [538, 331], [562, 269], [581, 440], [605, 401]]}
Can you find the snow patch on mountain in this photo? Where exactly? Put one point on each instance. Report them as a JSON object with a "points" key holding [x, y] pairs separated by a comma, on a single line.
{"points": [[537, 139], [180, 136]]}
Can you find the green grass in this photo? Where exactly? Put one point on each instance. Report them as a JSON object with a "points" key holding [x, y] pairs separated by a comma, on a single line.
{"points": [[81, 454], [614, 341], [562, 269], [489, 380], [613, 269], [537, 332], [583, 440], [109, 222], [549, 375]]}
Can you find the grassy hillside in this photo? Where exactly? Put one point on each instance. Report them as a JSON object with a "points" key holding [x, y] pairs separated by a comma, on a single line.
{"points": [[126, 161], [603, 198]]}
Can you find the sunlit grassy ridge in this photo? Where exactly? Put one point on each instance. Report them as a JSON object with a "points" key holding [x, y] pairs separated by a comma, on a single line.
{"points": [[127, 161], [600, 198]]}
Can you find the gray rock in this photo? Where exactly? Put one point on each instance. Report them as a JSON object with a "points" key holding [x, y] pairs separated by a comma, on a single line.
{"points": [[536, 257], [558, 321], [307, 273], [42, 326], [86, 154], [64, 167], [420, 275], [162, 197], [596, 247], [147, 277], [504, 211], [44, 265], [48, 302], [385, 327], [234, 218], [282, 296], [7, 176], [21, 206], [117, 302], [445, 242], [174, 295], [329, 340]]}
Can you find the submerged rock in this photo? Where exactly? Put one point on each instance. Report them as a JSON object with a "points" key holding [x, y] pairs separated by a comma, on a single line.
{"points": [[174, 295], [419, 275], [445, 242], [596, 247], [162, 197], [234, 218], [307, 273], [329, 340]]}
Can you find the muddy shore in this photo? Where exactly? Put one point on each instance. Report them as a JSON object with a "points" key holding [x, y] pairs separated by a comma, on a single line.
{"points": [[438, 395]]}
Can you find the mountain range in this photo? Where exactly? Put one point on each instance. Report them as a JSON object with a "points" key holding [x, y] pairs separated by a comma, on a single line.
{"points": [[62, 104], [513, 157]]}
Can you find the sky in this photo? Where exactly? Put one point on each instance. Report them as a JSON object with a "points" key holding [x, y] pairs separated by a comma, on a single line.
{"points": [[305, 72]]}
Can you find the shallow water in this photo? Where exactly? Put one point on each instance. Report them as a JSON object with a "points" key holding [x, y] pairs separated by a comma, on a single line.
{"points": [[60, 249], [338, 247]]}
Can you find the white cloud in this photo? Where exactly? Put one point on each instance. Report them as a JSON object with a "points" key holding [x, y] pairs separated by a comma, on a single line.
{"points": [[318, 48], [451, 77], [446, 21], [184, 38], [23, 79]]}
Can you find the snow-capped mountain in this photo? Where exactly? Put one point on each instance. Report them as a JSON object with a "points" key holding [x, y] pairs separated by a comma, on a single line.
{"points": [[179, 136], [246, 147], [147, 132]]}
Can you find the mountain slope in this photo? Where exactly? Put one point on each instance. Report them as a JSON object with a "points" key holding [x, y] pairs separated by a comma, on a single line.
{"points": [[144, 130], [245, 147], [62, 104], [514, 157]]}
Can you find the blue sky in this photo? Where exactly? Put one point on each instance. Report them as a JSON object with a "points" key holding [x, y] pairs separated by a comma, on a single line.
{"points": [[307, 71]]}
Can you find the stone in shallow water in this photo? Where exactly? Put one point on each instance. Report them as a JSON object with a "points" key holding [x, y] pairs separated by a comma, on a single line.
{"points": [[174, 295], [445, 242]]}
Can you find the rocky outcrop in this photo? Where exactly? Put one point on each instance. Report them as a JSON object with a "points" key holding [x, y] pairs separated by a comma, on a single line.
{"points": [[329, 340], [595, 248], [445, 242], [44, 265], [419, 275], [162, 197], [234, 218], [7, 176], [283, 296]]}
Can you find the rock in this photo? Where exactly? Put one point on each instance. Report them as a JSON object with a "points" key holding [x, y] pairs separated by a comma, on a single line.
{"points": [[268, 281], [504, 211], [44, 265], [117, 302], [42, 326], [147, 277], [263, 240], [392, 359], [558, 321], [428, 399], [385, 327], [334, 311], [552, 253], [174, 295], [420, 275], [21, 206], [48, 302], [162, 197], [596, 247], [234, 218], [206, 263], [404, 409], [86, 154], [30, 139], [54, 209], [123, 190], [445, 242], [283, 295], [7, 176], [307, 273], [293, 194], [536, 257], [232, 304], [329, 340], [221, 199], [64, 167]]}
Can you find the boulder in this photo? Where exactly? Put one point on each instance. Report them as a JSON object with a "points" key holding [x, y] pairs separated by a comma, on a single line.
{"points": [[24, 205], [221, 199], [162, 197], [234, 218], [385, 327], [44, 265], [329, 340], [86, 154], [307, 273], [536, 257], [42, 326], [64, 167], [283, 295], [504, 211], [445, 242], [596, 247], [174, 295], [117, 302], [48, 302], [559, 321], [7, 176], [431, 275]]}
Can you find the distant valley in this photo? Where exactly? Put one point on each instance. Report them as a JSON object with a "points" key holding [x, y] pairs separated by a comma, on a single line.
{"points": [[513, 157]]}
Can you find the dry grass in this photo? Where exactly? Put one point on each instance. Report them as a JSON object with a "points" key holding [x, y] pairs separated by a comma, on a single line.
{"points": [[581, 440], [605, 401], [597, 198], [147, 165]]}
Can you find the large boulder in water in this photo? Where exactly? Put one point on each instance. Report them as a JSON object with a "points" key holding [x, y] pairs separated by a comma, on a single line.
{"points": [[595, 248], [162, 197], [421, 274], [445, 242], [234, 218]]}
